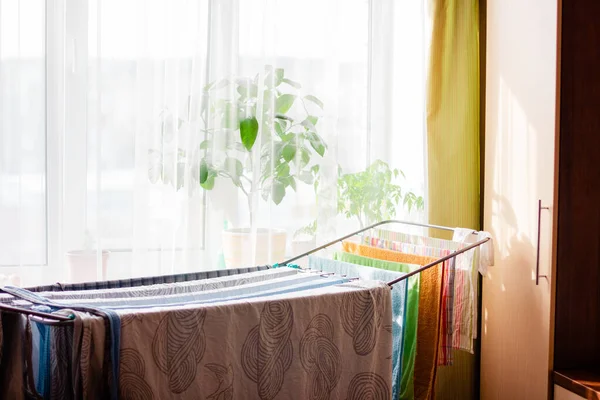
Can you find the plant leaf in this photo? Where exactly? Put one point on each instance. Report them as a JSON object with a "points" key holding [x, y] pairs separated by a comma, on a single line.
{"points": [[210, 182], [308, 124], [205, 144], [306, 177], [203, 172], [248, 132], [280, 126], [278, 191], [265, 192], [247, 89], [234, 168], [278, 76], [304, 157], [282, 170], [289, 152], [284, 103], [313, 99], [292, 183], [317, 143], [291, 83], [154, 172], [283, 116]]}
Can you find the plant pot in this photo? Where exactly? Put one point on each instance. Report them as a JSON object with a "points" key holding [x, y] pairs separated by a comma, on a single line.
{"points": [[300, 246], [82, 265], [12, 279], [269, 247]]}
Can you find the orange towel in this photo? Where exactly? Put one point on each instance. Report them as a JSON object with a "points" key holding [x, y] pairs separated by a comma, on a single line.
{"points": [[430, 307]]}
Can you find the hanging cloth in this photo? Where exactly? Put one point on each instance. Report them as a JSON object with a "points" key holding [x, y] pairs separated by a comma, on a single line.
{"points": [[409, 346], [12, 363], [164, 289], [430, 307], [445, 353], [145, 280], [399, 297], [323, 343], [464, 328]]}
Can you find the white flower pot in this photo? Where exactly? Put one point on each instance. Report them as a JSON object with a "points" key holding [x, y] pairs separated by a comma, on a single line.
{"points": [[300, 246], [12, 280], [269, 247], [82, 265]]}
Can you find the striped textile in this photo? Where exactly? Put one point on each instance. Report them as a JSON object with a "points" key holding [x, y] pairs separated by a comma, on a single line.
{"points": [[446, 324], [143, 281], [465, 285]]}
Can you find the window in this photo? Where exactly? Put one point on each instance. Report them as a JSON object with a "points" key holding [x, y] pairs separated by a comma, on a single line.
{"points": [[101, 120], [23, 235]]}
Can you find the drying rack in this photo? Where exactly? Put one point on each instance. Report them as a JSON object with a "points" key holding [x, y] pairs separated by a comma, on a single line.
{"points": [[55, 318]]}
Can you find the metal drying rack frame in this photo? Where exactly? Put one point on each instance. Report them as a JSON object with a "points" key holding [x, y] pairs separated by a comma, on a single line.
{"points": [[394, 221], [54, 319]]}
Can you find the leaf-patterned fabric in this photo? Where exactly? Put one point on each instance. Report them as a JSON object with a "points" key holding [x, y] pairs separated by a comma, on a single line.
{"points": [[324, 343], [59, 373], [399, 297]]}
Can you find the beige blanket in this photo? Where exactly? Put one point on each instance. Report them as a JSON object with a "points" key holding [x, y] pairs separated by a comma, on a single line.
{"points": [[328, 343]]}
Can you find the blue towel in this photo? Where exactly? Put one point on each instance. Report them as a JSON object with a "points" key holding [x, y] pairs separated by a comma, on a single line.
{"points": [[399, 293], [319, 283], [195, 297], [43, 382]]}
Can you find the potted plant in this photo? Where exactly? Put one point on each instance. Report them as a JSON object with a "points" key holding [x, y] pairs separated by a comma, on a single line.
{"points": [[261, 135], [82, 264], [367, 196], [371, 195]]}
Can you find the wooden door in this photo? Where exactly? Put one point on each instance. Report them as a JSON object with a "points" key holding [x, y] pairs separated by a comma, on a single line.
{"points": [[519, 171]]}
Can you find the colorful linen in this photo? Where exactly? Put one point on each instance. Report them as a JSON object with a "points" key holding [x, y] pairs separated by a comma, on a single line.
{"points": [[445, 355], [465, 285]]}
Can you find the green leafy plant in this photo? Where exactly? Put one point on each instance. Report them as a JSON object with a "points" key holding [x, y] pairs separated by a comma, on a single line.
{"points": [[309, 230], [370, 195], [265, 118]]}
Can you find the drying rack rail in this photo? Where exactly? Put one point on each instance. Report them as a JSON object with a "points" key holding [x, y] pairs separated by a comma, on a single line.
{"points": [[393, 221], [61, 319]]}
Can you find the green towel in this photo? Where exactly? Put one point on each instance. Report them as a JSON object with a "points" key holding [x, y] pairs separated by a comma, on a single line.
{"points": [[412, 315]]}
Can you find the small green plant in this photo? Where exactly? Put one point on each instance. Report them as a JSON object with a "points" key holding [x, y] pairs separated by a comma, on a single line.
{"points": [[270, 110], [309, 230], [370, 196]]}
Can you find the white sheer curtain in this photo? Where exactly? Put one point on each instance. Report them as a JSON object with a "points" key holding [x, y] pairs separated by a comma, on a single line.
{"points": [[142, 137]]}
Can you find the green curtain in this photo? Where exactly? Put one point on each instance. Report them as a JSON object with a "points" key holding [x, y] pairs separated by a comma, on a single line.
{"points": [[453, 114], [453, 147]]}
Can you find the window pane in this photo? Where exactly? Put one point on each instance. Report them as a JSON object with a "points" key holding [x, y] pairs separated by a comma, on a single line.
{"points": [[22, 133]]}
